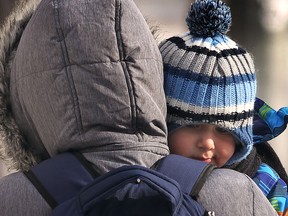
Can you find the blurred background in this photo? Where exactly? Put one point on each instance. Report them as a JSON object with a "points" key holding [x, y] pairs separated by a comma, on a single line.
{"points": [[259, 26]]}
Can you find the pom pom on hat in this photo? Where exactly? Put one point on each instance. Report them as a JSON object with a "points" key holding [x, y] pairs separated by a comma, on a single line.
{"points": [[208, 18]]}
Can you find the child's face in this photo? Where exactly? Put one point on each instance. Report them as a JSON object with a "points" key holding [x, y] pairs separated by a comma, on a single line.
{"points": [[208, 143]]}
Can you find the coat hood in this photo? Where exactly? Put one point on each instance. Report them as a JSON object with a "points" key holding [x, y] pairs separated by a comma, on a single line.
{"points": [[79, 75]]}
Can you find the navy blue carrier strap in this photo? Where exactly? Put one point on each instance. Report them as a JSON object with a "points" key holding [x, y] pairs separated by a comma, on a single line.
{"points": [[61, 173]]}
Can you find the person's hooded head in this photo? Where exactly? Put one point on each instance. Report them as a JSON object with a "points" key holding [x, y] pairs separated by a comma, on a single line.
{"points": [[80, 75]]}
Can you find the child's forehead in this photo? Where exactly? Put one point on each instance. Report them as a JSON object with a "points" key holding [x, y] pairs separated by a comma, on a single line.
{"points": [[211, 125]]}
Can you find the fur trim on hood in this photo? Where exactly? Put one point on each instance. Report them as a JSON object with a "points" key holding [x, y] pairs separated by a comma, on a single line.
{"points": [[13, 148]]}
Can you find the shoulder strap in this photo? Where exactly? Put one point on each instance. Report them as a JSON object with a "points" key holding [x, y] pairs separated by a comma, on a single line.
{"points": [[61, 177], [190, 174], [72, 172]]}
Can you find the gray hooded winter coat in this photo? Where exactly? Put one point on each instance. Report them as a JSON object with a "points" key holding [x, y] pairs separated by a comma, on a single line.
{"points": [[86, 75]]}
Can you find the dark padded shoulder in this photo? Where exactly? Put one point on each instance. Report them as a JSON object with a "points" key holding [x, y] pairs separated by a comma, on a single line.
{"points": [[190, 174]]}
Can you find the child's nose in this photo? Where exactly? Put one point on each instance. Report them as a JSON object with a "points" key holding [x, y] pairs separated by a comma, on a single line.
{"points": [[207, 141]]}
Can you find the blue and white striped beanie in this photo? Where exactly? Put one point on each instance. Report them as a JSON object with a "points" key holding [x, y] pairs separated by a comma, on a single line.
{"points": [[208, 78]]}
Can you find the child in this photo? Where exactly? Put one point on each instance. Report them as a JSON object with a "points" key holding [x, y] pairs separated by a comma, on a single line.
{"points": [[208, 79], [210, 88]]}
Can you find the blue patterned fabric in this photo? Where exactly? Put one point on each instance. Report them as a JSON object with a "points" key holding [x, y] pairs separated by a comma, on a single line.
{"points": [[208, 78], [273, 187], [268, 123]]}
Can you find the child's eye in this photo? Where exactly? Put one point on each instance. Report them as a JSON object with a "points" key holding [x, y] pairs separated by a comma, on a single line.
{"points": [[222, 130]]}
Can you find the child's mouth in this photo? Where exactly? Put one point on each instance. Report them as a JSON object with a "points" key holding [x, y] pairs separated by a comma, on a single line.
{"points": [[206, 160]]}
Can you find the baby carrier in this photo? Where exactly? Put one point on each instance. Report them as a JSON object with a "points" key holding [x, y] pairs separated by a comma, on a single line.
{"points": [[71, 186]]}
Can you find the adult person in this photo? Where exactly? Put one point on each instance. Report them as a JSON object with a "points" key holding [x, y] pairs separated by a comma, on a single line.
{"points": [[86, 75]]}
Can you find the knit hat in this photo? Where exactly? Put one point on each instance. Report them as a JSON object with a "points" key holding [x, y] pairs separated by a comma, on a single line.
{"points": [[208, 77]]}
